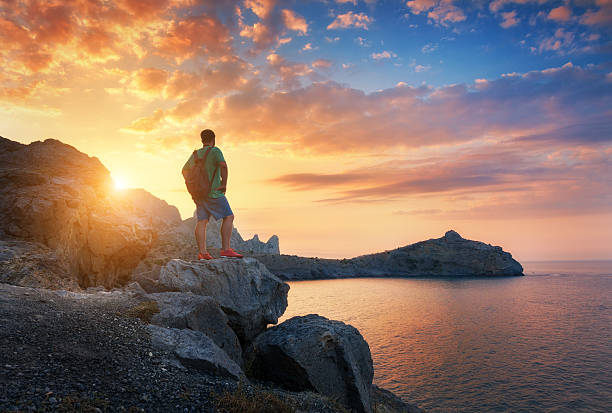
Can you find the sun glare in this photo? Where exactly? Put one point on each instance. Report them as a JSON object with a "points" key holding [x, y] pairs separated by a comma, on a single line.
{"points": [[120, 183]]}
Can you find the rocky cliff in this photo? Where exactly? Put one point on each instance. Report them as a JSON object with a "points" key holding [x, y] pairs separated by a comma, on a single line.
{"points": [[448, 256], [56, 196], [61, 216]]}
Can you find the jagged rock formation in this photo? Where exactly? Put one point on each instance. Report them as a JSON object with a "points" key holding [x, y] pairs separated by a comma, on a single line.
{"points": [[247, 292], [448, 256], [52, 194], [179, 242], [314, 353], [161, 213]]}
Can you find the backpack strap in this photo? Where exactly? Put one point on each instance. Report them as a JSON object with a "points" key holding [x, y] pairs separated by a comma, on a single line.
{"points": [[203, 160]]}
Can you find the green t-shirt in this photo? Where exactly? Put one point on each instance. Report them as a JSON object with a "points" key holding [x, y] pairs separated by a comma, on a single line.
{"points": [[214, 157]]}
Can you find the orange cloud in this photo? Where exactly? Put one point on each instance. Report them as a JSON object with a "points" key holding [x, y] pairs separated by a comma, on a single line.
{"points": [[295, 22], [150, 80], [350, 19], [147, 124], [262, 8], [97, 41], [197, 35]]}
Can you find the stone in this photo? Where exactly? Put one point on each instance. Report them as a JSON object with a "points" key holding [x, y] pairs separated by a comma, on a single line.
{"points": [[161, 213], [179, 242], [198, 313], [52, 194], [194, 349], [31, 264], [247, 292], [312, 353], [448, 256]]}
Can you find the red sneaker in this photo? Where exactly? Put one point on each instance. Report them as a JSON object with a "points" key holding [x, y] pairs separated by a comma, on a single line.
{"points": [[230, 253], [206, 256]]}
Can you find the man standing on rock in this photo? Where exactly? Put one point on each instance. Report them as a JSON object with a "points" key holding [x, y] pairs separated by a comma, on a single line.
{"points": [[215, 203]]}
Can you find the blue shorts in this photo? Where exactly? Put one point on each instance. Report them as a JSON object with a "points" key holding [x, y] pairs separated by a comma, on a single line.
{"points": [[217, 207]]}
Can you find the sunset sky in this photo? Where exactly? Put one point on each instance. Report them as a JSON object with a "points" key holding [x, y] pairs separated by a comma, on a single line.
{"points": [[349, 126]]}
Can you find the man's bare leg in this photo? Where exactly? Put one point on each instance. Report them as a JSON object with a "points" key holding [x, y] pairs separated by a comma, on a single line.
{"points": [[226, 232], [200, 234]]}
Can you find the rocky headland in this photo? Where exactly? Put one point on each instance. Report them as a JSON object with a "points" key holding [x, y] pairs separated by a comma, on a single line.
{"points": [[448, 256], [100, 313]]}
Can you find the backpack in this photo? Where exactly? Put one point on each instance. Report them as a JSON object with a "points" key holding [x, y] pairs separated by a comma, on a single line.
{"points": [[196, 178]]}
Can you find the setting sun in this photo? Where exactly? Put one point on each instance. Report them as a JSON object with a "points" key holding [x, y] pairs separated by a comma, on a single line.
{"points": [[120, 183]]}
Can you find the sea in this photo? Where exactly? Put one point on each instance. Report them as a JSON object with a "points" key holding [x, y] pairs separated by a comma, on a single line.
{"points": [[537, 343]]}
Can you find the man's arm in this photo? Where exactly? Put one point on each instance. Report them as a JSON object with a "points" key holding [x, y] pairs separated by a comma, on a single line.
{"points": [[223, 171]]}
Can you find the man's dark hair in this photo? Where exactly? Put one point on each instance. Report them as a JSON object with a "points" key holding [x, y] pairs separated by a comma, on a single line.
{"points": [[207, 136]]}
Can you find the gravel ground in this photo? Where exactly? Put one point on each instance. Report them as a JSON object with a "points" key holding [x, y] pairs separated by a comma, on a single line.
{"points": [[62, 352], [57, 353]]}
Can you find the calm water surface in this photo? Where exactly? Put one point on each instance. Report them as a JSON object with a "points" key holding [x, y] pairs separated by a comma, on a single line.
{"points": [[539, 343]]}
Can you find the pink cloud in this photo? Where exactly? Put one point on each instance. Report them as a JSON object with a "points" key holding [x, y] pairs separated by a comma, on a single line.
{"points": [[510, 19], [439, 11], [561, 13], [331, 118], [350, 19], [383, 55], [600, 16], [295, 22], [322, 64], [514, 178]]}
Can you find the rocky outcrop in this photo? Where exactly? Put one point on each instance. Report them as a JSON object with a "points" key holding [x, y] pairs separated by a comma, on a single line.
{"points": [[52, 194], [194, 349], [316, 354], [162, 214], [179, 242], [31, 264], [247, 292], [448, 256], [198, 313]]}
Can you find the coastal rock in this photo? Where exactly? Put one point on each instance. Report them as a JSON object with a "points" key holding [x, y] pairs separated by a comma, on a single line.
{"points": [[247, 292], [448, 256], [198, 313], [31, 264], [161, 213], [314, 353], [195, 350], [51, 193], [179, 242]]}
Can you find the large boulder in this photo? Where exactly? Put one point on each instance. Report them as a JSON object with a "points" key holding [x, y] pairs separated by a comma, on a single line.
{"points": [[198, 313], [247, 292], [195, 350], [314, 353], [51, 193]]}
